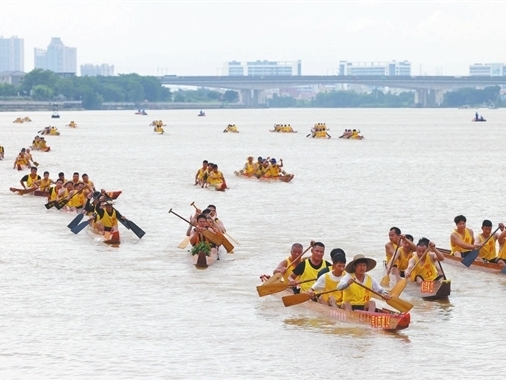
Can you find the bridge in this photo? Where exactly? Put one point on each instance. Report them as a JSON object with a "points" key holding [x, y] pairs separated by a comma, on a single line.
{"points": [[429, 90]]}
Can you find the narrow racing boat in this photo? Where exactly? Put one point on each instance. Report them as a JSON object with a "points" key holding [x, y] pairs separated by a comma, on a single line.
{"points": [[430, 290], [282, 178], [476, 265]]}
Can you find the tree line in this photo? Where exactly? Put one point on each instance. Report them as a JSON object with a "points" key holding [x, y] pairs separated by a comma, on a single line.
{"points": [[45, 85]]}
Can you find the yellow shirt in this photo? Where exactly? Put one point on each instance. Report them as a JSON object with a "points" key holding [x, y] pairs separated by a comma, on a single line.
{"points": [[357, 295], [331, 285], [426, 269], [488, 252], [467, 239]]}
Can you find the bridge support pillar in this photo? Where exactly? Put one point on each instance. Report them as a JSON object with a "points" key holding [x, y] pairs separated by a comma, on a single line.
{"points": [[259, 98], [429, 98], [246, 98]]}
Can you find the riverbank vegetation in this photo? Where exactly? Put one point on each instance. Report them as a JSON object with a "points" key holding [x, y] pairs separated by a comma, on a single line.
{"points": [[92, 92]]}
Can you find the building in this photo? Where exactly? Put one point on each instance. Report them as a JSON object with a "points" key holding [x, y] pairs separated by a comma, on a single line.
{"points": [[392, 68], [58, 57], [103, 70], [263, 68], [12, 54], [487, 70], [12, 77]]}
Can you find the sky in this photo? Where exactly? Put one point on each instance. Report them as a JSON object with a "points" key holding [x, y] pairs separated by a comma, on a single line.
{"points": [[198, 37]]}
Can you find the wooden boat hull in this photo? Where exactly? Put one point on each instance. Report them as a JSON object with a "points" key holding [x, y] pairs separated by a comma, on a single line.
{"points": [[478, 120], [230, 131], [430, 290], [111, 238], [202, 261], [386, 320], [282, 178], [476, 265], [271, 130]]}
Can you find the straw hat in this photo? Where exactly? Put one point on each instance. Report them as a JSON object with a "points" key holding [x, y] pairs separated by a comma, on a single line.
{"points": [[350, 268]]}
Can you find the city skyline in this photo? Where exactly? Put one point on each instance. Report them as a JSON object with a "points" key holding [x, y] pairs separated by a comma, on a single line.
{"points": [[197, 38]]}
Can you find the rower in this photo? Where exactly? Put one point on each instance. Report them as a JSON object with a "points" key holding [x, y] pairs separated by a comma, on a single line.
{"points": [[285, 267], [356, 297], [329, 280], [201, 175], [107, 217], [249, 167], [394, 237], [197, 235], [425, 269], [462, 238], [308, 269], [488, 252], [29, 182], [404, 254]]}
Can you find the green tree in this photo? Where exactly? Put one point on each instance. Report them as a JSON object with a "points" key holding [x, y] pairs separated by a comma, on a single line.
{"points": [[230, 96], [39, 76], [42, 92]]}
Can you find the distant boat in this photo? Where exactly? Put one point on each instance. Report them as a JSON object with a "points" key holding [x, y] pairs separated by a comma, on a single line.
{"points": [[55, 114], [202, 113], [141, 112]]}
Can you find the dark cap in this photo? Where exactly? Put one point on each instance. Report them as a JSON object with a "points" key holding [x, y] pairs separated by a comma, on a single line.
{"points": [[338, 256]]}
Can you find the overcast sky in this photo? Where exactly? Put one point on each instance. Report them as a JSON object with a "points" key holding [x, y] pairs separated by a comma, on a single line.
{"points": [[197, 38]]}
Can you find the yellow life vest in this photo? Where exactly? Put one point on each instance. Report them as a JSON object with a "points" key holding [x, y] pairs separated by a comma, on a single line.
{"points": [[331, 285], [357, 295], [53, 193], [310, 273], [488, 252], [214, 177], [427, 270], [30, 182], [402, 260], [109, 220], [467, 239], [44, 184], [249, 168]]}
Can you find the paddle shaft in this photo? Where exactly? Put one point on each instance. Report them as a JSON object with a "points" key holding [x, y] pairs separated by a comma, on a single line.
{"points": [[406, 275], [367, 288], [394, 257], [65, 200], [472, 255], [296, 299], [208, 234]]}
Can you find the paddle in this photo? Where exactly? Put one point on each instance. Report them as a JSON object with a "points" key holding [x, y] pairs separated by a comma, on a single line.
{"points": [[309, 134], [213, 238], [503, 270], [328, 135], [265, 290], [396, 303], [296, 299], [401, 284], [225, 235], [471, 256], [386, 279], [135, 228], [76, 220], [277, 276], [184, 243]]}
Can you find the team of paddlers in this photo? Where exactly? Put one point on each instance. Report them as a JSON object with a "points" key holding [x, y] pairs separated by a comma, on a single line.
{"points": [[158, 126], [268, 168], [209, 176], [284, 128], [353, 134], [20, 120]]}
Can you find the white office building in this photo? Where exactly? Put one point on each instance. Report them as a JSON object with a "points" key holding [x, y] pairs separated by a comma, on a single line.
{"points": [[393, 68], [103, 70], [12, 54], [487, 70], [263, 68], [58, 57]]}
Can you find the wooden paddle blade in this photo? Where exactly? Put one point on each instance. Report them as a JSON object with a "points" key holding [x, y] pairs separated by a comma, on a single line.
{"points": [[399, 304], [228, 245], [59, 205], [136, 229], [184, 243], [503, 271], [275, 278], [231, 239], [399, 287], [469, 259], [79, 227], [265, 290], [295, 299], [213, 238], [75, 221], [385, 281]]}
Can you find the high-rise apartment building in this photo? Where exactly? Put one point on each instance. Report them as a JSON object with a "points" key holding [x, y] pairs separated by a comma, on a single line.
{"points": [[263, 68], [103, 70], [12, 54], [393, 68], [58, 57]]}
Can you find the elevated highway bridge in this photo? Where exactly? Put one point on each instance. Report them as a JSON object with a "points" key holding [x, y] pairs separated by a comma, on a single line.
{"points": [[429, 89]]}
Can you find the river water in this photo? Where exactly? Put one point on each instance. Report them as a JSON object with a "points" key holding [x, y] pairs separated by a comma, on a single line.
{"points": [[72, 307]]}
